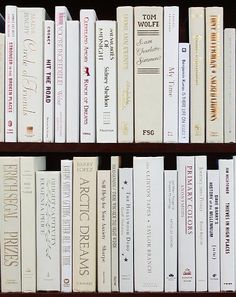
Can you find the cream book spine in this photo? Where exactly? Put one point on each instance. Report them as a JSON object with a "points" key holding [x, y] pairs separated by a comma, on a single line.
{"points": [[126, 225], [125, 76], [28, 168], [84, 230], [106, 82], [49, 82], [229, 85], [148, 73], [10, 238], [213, 230], [48, 230], [30, 25], [66, 225], [171, 71], [87, 75], [2, 87], [11, 74], [197, 73], [214, 74], [103, 231]]}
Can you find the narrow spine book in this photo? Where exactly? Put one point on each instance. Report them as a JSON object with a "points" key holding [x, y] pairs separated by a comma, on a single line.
{"points": [[2, 86]]}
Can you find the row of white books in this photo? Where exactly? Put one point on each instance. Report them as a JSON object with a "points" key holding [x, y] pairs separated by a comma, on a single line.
{"points": [[128, 80], [144, 228]]}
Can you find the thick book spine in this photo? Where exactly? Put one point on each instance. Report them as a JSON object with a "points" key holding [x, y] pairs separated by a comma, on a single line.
{"points": [[213, 189], [148, 224], [87, 75], [227, 226], [171, 70], [11, 74], [61, 16], [30, 73], [229, 85], [126, 237], [2, 86], [106, 81], [125, 77], [184, 99], [197, 76], [49, 81], [186, 225], [10, 236], [73, 81], [85, 224], [103, 231], [28, 167], [48, 230], [214, 74], [201, 222], [170, 180], [66, 225], [148, 73]]}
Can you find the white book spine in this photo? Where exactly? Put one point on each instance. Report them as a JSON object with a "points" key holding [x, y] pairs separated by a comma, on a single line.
{"points": [[49, 80], [73, 81], [148, 73], [30, 73], [148, 224], [171, 44], [87, 75], [213, 231], [197, 76], [184, 99], [201, 222], [10, 238], [2, 86], [126, 238], [125, 46], [66, 225], [214, 74], [115, 162], [186, 225], [227, 228], [103, 231], [229, 85], [48, 230], [170, 230], [28, 167], [61, 17], [11, 74], [106, 80]]}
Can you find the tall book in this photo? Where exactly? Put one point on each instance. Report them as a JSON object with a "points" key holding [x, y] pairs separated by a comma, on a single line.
{"points": [[186, 223], [170, 207], [106, 80], [213, 189], [30, 29], [171, 70], [66, 225], [2, 86], [229, 85], [10, 236], [49, 81], [73, 81], [28, 168], [103, 231], [197, 76], [87, 75], [148, 73], [214, 74], [227, 225], [125, 76], [84, 230], [148, 224], [126, 235], [61, 16], [11, 74], [48, 230]]}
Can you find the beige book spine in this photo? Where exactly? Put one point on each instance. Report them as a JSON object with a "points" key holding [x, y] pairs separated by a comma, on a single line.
{"points": [[2, 84]]}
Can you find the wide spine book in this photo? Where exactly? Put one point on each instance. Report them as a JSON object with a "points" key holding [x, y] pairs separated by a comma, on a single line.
{"points": [[2, 86]]}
